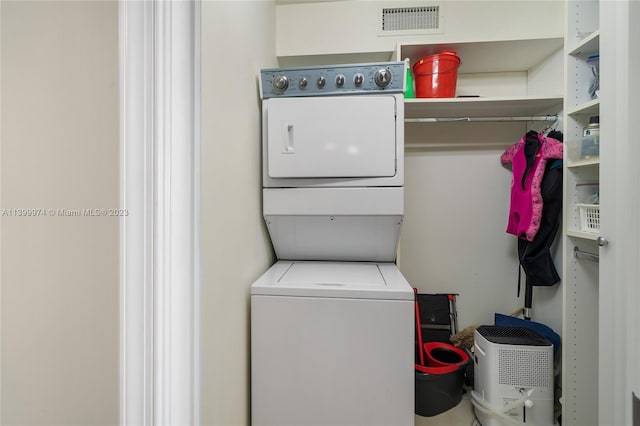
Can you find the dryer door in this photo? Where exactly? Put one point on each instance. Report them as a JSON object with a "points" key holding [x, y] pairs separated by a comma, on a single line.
{"points": [[331, 137]]}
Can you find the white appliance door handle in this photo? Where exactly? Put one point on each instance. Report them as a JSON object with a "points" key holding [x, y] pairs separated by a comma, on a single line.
{"points": [[287, 138]]}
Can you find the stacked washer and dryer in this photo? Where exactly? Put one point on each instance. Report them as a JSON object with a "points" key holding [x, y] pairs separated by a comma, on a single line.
{"points": [[332, 321]]}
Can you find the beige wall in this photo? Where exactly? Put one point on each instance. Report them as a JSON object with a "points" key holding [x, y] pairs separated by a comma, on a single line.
{"points": [[59, 276], [238, 38]]}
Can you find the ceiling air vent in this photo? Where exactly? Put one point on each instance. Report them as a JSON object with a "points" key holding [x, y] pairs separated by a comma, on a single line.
{"points": [[410, 20]]}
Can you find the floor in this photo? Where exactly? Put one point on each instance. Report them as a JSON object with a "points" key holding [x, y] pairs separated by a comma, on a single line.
{"points": [[460, 415]]}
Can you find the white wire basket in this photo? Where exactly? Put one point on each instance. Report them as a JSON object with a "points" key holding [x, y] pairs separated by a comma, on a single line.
{"points": [[589, 217]]}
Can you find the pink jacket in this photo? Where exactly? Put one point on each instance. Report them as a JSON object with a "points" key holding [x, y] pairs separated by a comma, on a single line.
{"points": [[526, 201]]}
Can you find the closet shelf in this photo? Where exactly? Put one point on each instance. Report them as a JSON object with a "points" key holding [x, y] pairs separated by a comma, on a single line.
{"points": [[584, 235], [482, 107], [591, 107], [587, 162], [590, 45], [488, 56]]}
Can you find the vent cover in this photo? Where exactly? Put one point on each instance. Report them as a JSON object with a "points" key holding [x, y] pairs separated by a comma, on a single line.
{"points": [[525, 368], [412, 19]]}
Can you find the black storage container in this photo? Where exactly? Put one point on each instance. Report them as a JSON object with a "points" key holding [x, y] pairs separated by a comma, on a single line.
{"points": [[439, 382], [437, 393]]}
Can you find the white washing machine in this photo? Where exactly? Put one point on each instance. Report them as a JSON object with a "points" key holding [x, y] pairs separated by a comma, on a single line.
{"points": [[332, 344], [332, 322]]}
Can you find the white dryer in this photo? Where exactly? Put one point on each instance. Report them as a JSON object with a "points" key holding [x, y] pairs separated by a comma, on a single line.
{"points": [[332, 325]]}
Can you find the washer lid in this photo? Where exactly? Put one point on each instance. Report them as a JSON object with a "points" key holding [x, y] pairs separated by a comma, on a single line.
{"points": [[354, 280]]}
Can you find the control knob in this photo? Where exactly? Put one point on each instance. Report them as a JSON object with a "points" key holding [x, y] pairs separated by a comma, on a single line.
{"points": [[302, 82], [358, 79], [321, 82], [382, 78], [280, 82], [340, 80]]}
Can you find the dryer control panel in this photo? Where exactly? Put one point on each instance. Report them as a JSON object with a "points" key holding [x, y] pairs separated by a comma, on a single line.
{"points": [[388, 77]]}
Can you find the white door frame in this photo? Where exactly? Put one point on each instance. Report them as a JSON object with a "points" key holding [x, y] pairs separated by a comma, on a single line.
{"points": [[160, 189], [618, 338]]}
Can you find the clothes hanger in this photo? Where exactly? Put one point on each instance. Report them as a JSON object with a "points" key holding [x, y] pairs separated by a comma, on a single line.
{"points": [[549, 127]]}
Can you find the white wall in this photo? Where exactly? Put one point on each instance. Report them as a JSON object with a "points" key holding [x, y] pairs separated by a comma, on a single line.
{"points": [[351, 27], [238, 38], [59, 277], [456, 204], [456, 200], [456, 208]]}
